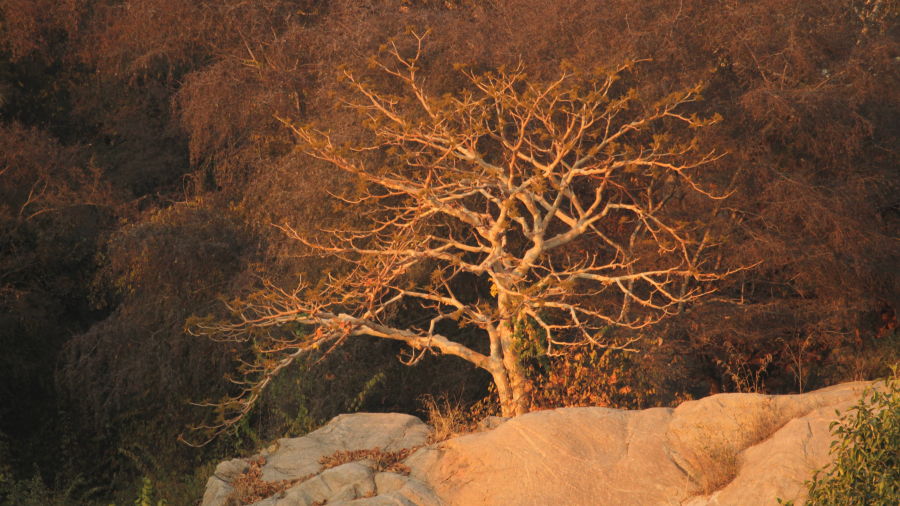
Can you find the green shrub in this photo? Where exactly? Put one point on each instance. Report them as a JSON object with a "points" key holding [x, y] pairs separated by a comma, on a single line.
{"points": [[147, 495], [866, 467], [34, 492]]}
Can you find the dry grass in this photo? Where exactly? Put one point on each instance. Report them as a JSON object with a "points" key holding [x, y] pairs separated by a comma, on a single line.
{"points": [[719, 464], [381, 460], [719, 461], [447, 419], [249, 487]]}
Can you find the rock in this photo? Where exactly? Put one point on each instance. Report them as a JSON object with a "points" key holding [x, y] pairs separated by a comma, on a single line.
{"points": [[718, 450], [717, 428], [218, 487], [405, 489], [563, 456], [298, 457], [389, 482], [389, 499], [777, 467], [725, 449], [339, 484], [491, 422]]}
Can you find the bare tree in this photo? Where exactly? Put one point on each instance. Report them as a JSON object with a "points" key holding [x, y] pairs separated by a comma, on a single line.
{"points": [[549, 195]]}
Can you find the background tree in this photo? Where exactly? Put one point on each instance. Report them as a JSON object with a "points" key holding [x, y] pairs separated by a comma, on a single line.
{"points": [[526, 202]]}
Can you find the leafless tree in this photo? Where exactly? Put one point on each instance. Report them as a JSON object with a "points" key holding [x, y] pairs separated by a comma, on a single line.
{"points": [[550, 194]]}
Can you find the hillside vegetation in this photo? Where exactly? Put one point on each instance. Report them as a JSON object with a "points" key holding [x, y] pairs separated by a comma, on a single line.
{"points": [[163, 168]]}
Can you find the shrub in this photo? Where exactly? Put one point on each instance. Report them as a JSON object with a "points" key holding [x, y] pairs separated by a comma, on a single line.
{"points": [[866, 468], [147, 495]]}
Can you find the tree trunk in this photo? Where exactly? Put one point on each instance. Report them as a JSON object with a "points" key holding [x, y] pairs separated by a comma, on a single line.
{"points": [[504, 390], [517, 400], [511, 389]]}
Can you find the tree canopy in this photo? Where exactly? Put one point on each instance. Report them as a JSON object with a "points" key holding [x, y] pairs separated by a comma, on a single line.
{"points": [[522, 200]]}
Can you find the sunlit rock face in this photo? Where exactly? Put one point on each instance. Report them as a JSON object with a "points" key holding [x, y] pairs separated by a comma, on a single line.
{"points": [[740, 449]]}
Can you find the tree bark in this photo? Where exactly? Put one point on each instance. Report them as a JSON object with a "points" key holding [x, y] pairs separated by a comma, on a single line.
{"points": [[518, 402], [504, 391], [511, 390]]}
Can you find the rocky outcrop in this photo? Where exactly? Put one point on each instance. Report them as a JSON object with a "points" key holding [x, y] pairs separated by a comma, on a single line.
{"points": [[741, 449], [299, 459]]}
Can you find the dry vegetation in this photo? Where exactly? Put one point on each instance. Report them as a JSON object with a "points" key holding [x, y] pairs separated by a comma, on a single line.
{"points": [[717, 461], [249, 487], [380, 460], [447, 419]]}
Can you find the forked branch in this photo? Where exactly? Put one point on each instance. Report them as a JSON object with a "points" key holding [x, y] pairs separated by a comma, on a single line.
{"points": [[525, 200]]}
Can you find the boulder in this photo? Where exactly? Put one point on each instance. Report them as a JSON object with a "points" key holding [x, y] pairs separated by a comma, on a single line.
{"points": [[343, 483], [298, 458], [218, 487], [740, 449]]}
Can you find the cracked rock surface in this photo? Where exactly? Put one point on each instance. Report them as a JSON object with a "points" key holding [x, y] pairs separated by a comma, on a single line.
{"points": [[725, 449]]}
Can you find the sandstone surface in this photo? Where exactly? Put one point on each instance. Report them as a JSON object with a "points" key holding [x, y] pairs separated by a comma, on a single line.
{"points": [[727, 449]]}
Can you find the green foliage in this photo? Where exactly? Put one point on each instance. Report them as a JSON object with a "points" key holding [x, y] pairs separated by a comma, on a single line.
{"points": [[147, 495], [18, 488], [866, 469], [531, 345], [357, 403], [35, 492]]}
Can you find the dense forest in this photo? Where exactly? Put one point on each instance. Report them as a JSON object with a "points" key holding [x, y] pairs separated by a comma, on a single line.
{"points": [[171, 170]]}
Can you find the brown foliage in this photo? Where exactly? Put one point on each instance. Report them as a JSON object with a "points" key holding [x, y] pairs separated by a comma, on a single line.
{"points": [[54, 209], [165, 38], [588, 377], [249, 487], [39, 176], [446, 419], [157, 272], [31, 27], [381, 461]]}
